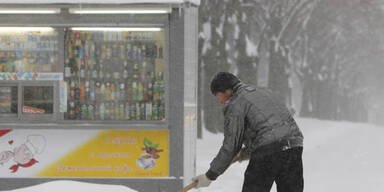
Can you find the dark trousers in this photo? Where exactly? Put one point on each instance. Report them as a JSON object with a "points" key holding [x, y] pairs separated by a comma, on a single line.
{"points": [[285, 168]]}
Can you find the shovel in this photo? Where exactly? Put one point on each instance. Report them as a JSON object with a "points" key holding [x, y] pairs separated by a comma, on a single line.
{"points": [[188, 187], [194, 184]]}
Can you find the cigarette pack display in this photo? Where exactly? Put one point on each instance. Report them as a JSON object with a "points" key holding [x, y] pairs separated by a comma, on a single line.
{"points": [[32, 51]]}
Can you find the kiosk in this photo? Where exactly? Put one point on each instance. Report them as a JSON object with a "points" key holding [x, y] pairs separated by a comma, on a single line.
{"points": [[98, 91]]}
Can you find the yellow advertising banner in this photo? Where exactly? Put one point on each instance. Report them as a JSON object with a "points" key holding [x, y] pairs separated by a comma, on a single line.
{"points": [[115, 153]]}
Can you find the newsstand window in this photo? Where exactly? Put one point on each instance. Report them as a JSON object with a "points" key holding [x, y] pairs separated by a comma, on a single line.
{"points": [[28, 49], [8, 100], [115, 74], [38, 99]]}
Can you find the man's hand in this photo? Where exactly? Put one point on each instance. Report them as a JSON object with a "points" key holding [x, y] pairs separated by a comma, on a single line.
{"points": [[202, 181]]}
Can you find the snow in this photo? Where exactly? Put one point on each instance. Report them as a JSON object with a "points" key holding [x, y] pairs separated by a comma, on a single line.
{"points": [[251, 48], [74, 186], [206, 35], [196, 2], [338, 156]]}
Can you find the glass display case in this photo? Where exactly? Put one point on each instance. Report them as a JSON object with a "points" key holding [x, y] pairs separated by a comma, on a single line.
{"points": [[110, 74], [38, 100], [114, 75], [24, 49]]}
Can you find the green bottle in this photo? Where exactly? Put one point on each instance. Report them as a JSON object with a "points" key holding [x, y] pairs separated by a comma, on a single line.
{"points": [[91, 113], [154, 111], [134, 91], [84, 112]]}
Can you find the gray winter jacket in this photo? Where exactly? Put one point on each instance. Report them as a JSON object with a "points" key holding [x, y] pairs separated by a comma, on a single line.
{"points": [[255, 118]]}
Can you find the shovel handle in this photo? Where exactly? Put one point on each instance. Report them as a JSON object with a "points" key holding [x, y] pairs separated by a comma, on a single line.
{"points": [[188, 187], [194, 184]]}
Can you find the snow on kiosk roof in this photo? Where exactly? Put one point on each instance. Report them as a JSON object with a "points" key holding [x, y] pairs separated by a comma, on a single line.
{"points": [[196, 2]]}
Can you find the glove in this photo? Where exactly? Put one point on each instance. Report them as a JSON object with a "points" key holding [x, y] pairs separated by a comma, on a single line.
{"points": [[202, 181]]}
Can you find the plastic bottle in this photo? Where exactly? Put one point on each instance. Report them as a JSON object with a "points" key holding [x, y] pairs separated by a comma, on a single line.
{"points": [[154, 111], [82, 90], [127, 111], [138, 112], [134, 91], [112, 111], [129, 51], [84, 112], [103, 92], [140, 92], [72, 90], [161, 111], [92, 94], [122, 92], [148, 110], [87, 90], [102, 111], [91, 113], [121, 111], [133, 111], [97, 92], [112, 92]]}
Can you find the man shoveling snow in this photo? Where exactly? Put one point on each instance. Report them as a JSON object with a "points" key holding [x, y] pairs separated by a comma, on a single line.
{"points": [[272, 141]]}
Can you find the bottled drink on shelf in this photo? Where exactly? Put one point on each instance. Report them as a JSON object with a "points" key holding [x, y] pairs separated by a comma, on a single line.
{"points": [[97, 92], [133, 111], [67, 69], [77, 110], [72, 91], [138, 111], [113, 92], [122, 92], [82, 90], [91, 112], [134, 52], [72, 110], [142, 111], [107, 111], [139, 53], [103, 92], [154, 111], [127, 111], [77, 91], [140, 92], [97, 111], [121, 111], [92, 94], [112, 110], [117, 111], [122, 52], [148, 110], [134, 91], [102, 111], [84, 111], [161, 86], [161, 112], [87, 90], [129, 51], [108, 92]]}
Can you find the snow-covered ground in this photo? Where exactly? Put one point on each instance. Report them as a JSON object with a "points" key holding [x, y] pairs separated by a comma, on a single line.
{"points": [[74, 186], [338, 156]]}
